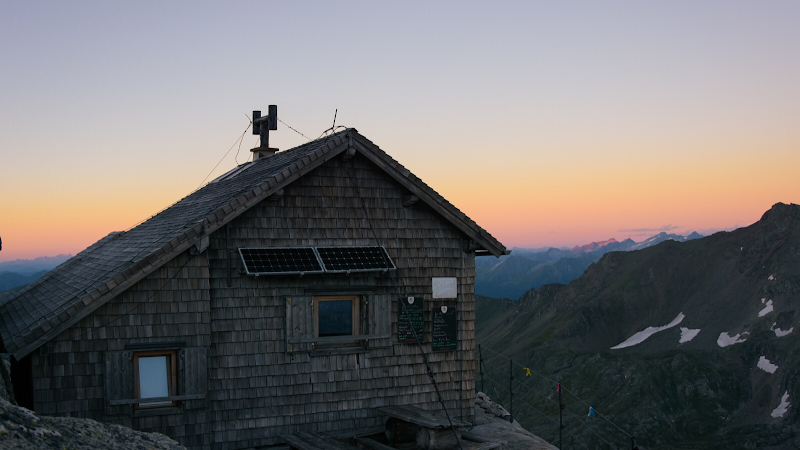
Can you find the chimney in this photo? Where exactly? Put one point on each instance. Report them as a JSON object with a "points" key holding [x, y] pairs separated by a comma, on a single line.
{"points": [[261, 126]]}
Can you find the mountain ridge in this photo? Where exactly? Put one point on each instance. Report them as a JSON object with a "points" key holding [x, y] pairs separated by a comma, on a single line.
{"points": [[732, 300], [530, 268]]}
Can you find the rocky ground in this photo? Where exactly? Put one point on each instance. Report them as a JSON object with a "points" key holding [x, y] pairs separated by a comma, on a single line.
{"points": [[22, 429], [492, 423]]}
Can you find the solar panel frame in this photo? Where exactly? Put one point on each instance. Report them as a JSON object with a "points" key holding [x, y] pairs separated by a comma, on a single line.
{"points": [[320, 268], [335, 267]]}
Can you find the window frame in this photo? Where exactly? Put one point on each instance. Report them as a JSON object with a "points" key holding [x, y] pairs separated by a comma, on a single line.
{"points": [[356, 321], [172, 377]]}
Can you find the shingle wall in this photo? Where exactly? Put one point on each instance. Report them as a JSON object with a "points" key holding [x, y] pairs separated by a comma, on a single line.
{"points": [[257, 390], [169, 305]]}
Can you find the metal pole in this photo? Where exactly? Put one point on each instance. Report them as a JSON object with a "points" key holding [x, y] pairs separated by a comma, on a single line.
{"points": [[560, 416], [511, 388]]}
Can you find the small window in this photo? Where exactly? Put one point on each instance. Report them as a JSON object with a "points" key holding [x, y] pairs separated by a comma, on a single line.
{"points": [[155, 375], [336, 316]]}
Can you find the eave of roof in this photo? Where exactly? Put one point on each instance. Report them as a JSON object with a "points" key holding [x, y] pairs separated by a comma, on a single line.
{"points": [[89, 294]]}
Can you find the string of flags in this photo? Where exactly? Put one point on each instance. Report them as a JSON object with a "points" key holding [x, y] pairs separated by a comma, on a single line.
{"points": [[592, 413]]}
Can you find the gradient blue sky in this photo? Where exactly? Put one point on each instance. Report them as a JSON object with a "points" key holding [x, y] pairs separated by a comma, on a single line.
{"points": [[549, 123]]}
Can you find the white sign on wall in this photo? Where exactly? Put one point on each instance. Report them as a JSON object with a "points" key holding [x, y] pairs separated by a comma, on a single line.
{"points": [[445, 288]]}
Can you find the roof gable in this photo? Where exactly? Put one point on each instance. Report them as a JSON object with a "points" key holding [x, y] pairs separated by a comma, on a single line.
{"points": [[76, 288]]}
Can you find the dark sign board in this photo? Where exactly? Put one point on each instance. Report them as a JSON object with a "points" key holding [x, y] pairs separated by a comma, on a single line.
{"points": [[410, 314], [445, 329]]}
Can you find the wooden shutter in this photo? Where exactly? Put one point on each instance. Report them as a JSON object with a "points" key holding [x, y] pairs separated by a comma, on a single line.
{"points": [[118, 380], [379, 315], [195, 375], [299, 323]]}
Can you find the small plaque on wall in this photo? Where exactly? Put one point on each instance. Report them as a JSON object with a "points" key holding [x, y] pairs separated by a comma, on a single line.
{"points": [[445, 329], [410, 320], [445, 287]]}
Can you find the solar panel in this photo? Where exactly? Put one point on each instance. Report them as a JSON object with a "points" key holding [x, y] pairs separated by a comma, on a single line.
{"points": [[283, 261], [355, 259]]}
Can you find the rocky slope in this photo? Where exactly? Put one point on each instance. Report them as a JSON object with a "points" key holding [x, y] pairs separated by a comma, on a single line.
{"points": [[682, 345]]}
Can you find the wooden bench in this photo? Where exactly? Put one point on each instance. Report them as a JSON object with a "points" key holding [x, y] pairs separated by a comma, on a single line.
{"points": [[421, 417], [306, 440], [429, 429]]}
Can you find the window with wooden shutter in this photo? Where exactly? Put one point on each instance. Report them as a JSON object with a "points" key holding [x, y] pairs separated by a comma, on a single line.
{"points": [[155, 377], [338, 321]]}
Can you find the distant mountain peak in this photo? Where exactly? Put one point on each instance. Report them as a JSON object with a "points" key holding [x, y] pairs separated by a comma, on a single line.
{"points": [[593, 246]]}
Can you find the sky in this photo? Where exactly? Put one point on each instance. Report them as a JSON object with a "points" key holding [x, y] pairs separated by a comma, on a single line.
{"points": [[548, 123]]}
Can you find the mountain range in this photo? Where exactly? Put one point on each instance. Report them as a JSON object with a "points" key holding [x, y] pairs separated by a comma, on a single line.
{"points": [[17, 273], [512, 275], [682, 345]]}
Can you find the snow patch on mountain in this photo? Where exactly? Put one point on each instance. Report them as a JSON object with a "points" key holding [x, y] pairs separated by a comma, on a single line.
{"points": [[767, 308], [783, 407], [688, 334], [778, 331], [724, 340], [771, 278], [765, 365], [640, 337]]}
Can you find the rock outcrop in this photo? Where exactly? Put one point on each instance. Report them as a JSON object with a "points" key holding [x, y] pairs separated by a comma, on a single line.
{"points": [[22, 429], [492, 424]]}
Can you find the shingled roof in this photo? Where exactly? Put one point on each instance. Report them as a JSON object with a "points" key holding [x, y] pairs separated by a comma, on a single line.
{"points": [[71, 291]]}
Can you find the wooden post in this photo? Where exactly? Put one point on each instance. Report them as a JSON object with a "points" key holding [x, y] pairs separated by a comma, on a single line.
{"points": [[511, 389], [228, 254]]}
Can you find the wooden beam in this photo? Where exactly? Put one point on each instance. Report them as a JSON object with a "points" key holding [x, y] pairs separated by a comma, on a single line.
{"points": [[144, 401], [349, 153], [199, 246]]}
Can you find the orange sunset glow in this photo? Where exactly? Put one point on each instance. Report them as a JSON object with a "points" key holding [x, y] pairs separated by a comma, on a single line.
{"points": [[548, 124]]}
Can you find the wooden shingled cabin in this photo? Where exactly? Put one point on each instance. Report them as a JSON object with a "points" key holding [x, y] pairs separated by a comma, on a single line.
{"points": [[284, 296]]}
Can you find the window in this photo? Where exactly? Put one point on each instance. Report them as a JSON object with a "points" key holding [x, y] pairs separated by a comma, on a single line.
{"points": [[336, 316], [347, 320], [155, 375]]}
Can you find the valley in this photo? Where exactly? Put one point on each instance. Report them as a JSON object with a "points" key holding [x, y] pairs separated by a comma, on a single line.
{"points": [[681, 345]]}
